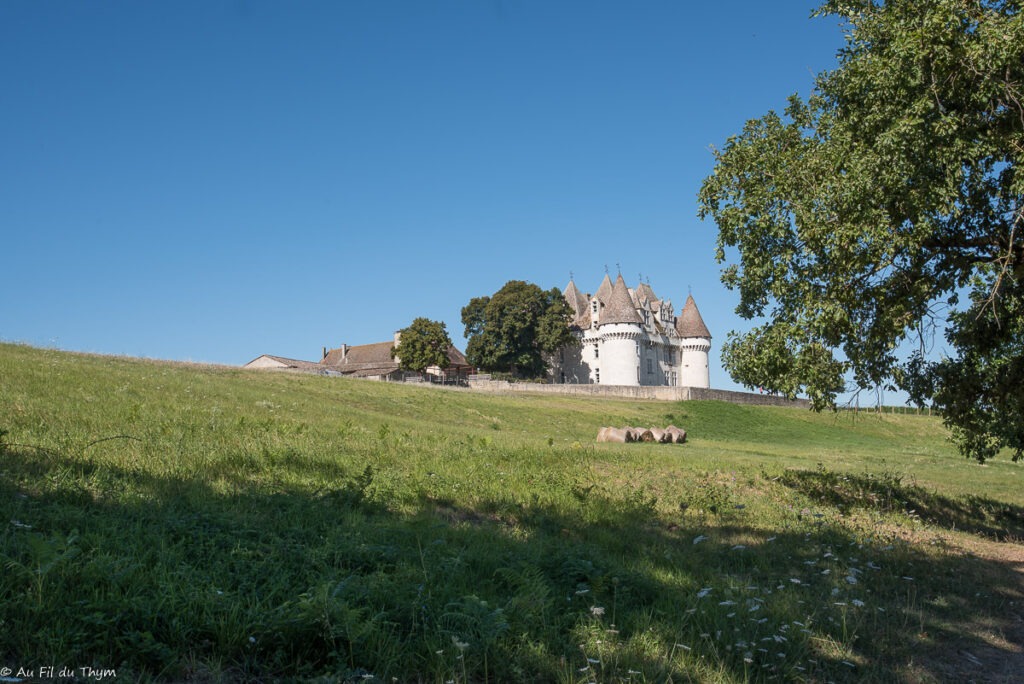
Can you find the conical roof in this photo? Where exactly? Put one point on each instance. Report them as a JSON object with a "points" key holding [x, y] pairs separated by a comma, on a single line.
{"points": [[579, 304], [574, 298], [689, 323], [604, 290], [619, 306]]}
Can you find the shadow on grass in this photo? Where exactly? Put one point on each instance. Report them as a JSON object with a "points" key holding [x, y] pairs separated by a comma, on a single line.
{"points": [[180, 580], [888, 493]]}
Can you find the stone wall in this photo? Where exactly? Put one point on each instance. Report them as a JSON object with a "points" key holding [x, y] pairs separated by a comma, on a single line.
{"points": [[705, 394], [657, 393]]}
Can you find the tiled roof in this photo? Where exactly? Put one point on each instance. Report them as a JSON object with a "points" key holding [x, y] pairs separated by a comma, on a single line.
{"points": [[619, 305], [360, 356], [689, 323], [456, 358], [604, 290], [644, 292], [290, 363], [363, 358], [579, 304]]}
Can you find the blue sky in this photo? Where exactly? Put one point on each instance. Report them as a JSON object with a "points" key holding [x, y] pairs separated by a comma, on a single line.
{"points": [[211, 181]]}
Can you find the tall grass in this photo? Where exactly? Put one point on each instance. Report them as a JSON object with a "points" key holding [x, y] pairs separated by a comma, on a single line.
{"points": [[174, 522]]}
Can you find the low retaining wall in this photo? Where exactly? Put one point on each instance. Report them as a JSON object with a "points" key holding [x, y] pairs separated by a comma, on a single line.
{"points": [[656, 393]]}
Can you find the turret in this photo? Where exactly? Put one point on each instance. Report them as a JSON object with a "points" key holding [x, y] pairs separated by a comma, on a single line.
{"points": [[696, 343], [619, 328]]}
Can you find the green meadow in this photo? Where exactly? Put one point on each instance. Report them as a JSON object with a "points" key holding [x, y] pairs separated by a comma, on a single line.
{"points": [[170, 522]]}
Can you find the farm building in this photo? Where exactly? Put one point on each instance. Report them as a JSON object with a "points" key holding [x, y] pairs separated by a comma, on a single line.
{"points": [[372, 361]]}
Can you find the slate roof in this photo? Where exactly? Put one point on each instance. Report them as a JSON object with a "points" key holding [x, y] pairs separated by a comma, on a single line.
{"points": [[689, 323], [619, 305]]}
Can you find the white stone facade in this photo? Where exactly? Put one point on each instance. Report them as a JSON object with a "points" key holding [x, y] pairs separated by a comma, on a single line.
{"points": [[628, 336]]}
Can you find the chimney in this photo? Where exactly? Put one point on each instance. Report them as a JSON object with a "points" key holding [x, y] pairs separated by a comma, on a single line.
{"points": [[344, 352], [398, 337], [325, 354]]}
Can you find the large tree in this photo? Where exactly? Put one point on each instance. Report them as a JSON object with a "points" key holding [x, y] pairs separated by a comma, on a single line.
{"points": [[855, 223], [516, 327], [423, 344]]}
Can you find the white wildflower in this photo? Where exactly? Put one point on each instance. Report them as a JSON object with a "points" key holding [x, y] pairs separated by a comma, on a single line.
{"points": [[703, 592], [850, 579], [596, 611]]}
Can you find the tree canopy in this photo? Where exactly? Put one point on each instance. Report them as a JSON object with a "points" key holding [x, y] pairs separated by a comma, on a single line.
{"points": [[516, 327], [423, 344], [854, 224]]}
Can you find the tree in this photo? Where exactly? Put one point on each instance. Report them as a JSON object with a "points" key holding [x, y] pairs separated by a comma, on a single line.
{"points": [[856, 222], [515, 328], [423, 344]]}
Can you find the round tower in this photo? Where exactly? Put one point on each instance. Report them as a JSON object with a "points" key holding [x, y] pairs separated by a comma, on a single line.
{"points": [[619, 328], [695, 343]]}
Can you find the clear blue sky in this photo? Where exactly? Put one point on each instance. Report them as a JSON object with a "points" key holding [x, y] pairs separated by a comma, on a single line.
{"points": [[212, 181]]}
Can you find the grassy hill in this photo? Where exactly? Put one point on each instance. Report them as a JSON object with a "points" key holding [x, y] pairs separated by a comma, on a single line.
{"points": [[174, 522]]}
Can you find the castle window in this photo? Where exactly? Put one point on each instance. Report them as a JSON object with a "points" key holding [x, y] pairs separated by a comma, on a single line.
{"points": [[597, 351], [593, 306], [650, 367], [597, 376]]}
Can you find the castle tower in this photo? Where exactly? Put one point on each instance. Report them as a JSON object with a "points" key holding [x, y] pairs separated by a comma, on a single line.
{"points": [[696, 343], [619, 329]]}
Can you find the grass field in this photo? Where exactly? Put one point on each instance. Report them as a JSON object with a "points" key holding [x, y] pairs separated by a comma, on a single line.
{"points": [[171, 522]]}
